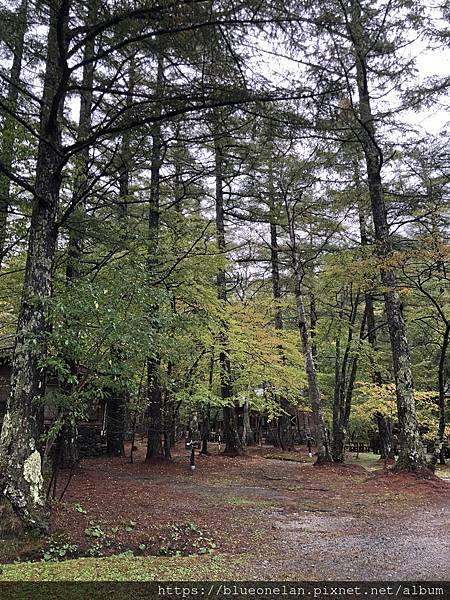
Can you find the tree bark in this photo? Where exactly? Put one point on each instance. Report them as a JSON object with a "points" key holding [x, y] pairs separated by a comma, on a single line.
{"points": [[115, 421], [411, 454], [344, 384], [439, 442], [205, 430], [154, 442], [368, 296], [248, 437], [384, 425], [322, 434], [76, 222], [284, 438], [20, 451], [337, 441]]}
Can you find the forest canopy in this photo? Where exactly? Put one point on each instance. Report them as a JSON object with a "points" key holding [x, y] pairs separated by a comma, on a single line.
{"points": [[215, 214]]}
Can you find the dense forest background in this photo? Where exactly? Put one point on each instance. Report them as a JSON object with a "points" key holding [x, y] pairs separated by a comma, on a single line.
{"points": [[208, 206]]}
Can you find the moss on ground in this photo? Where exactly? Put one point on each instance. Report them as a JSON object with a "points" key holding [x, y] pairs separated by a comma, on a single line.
{"points": [[443, 471], [118, 568], [368, 460], [242, 501]]}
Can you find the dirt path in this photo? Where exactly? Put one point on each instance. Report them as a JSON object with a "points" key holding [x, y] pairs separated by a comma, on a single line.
{"points": [[352, 533], [275, 519]]}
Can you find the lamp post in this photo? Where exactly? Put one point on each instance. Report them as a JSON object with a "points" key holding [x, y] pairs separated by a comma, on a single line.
{"points": [[191, 444]]}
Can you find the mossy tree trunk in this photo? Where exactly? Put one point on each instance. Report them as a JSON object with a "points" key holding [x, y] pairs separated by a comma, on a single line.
{"points": [[21, 450], [411, 455], [384, 425]]}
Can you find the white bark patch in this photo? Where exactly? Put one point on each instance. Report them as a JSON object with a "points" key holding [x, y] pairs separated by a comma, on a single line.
{"points": [[32, 473], [5, 428]]}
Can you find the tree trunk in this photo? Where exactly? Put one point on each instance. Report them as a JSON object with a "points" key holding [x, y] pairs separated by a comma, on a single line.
{"points": [[154, 444], [125, 152], [233, 446], [411, 454], [344, 384], [322, 434], [206, 421], [205, 430], [368, 297], [248, 437], [337, 441], [313, 324], [115, 422], [76, 222], [8, 133], [384, 425], [283, 439], [285, 435], [155, 417], [438, 453], [20, 452], [167, 445]]}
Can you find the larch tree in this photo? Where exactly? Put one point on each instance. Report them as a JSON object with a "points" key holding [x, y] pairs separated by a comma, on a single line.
{"points": [[233, 445], [367, 43], [20, 444]]}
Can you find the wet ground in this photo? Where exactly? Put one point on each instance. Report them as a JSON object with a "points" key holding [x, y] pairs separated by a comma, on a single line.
{"points": [[275, 519]]}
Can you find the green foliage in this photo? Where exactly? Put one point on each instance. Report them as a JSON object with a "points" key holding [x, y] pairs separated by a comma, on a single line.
{"points": [[58, 548], [94, 531], [178, 568], [130, 526]]}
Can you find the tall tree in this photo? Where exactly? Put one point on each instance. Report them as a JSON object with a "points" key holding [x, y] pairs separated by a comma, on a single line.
{"points": [[411, 454], [322, 434], [155, 416], [20, 446], [284, 424], [233, 445], [117, 396], [367, 42]]}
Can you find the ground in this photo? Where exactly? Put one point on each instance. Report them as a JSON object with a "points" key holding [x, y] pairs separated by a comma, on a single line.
{"points": [[267, 515]]}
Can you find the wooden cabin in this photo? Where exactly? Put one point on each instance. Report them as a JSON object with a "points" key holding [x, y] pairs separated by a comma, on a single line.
{"points": [[91, 433], [302, 425]]}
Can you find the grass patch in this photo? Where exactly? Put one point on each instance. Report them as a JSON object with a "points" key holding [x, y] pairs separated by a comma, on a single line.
{"points": [[116, 568], [372, 462], [367, 460], [443, 471], [240, 501]]}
